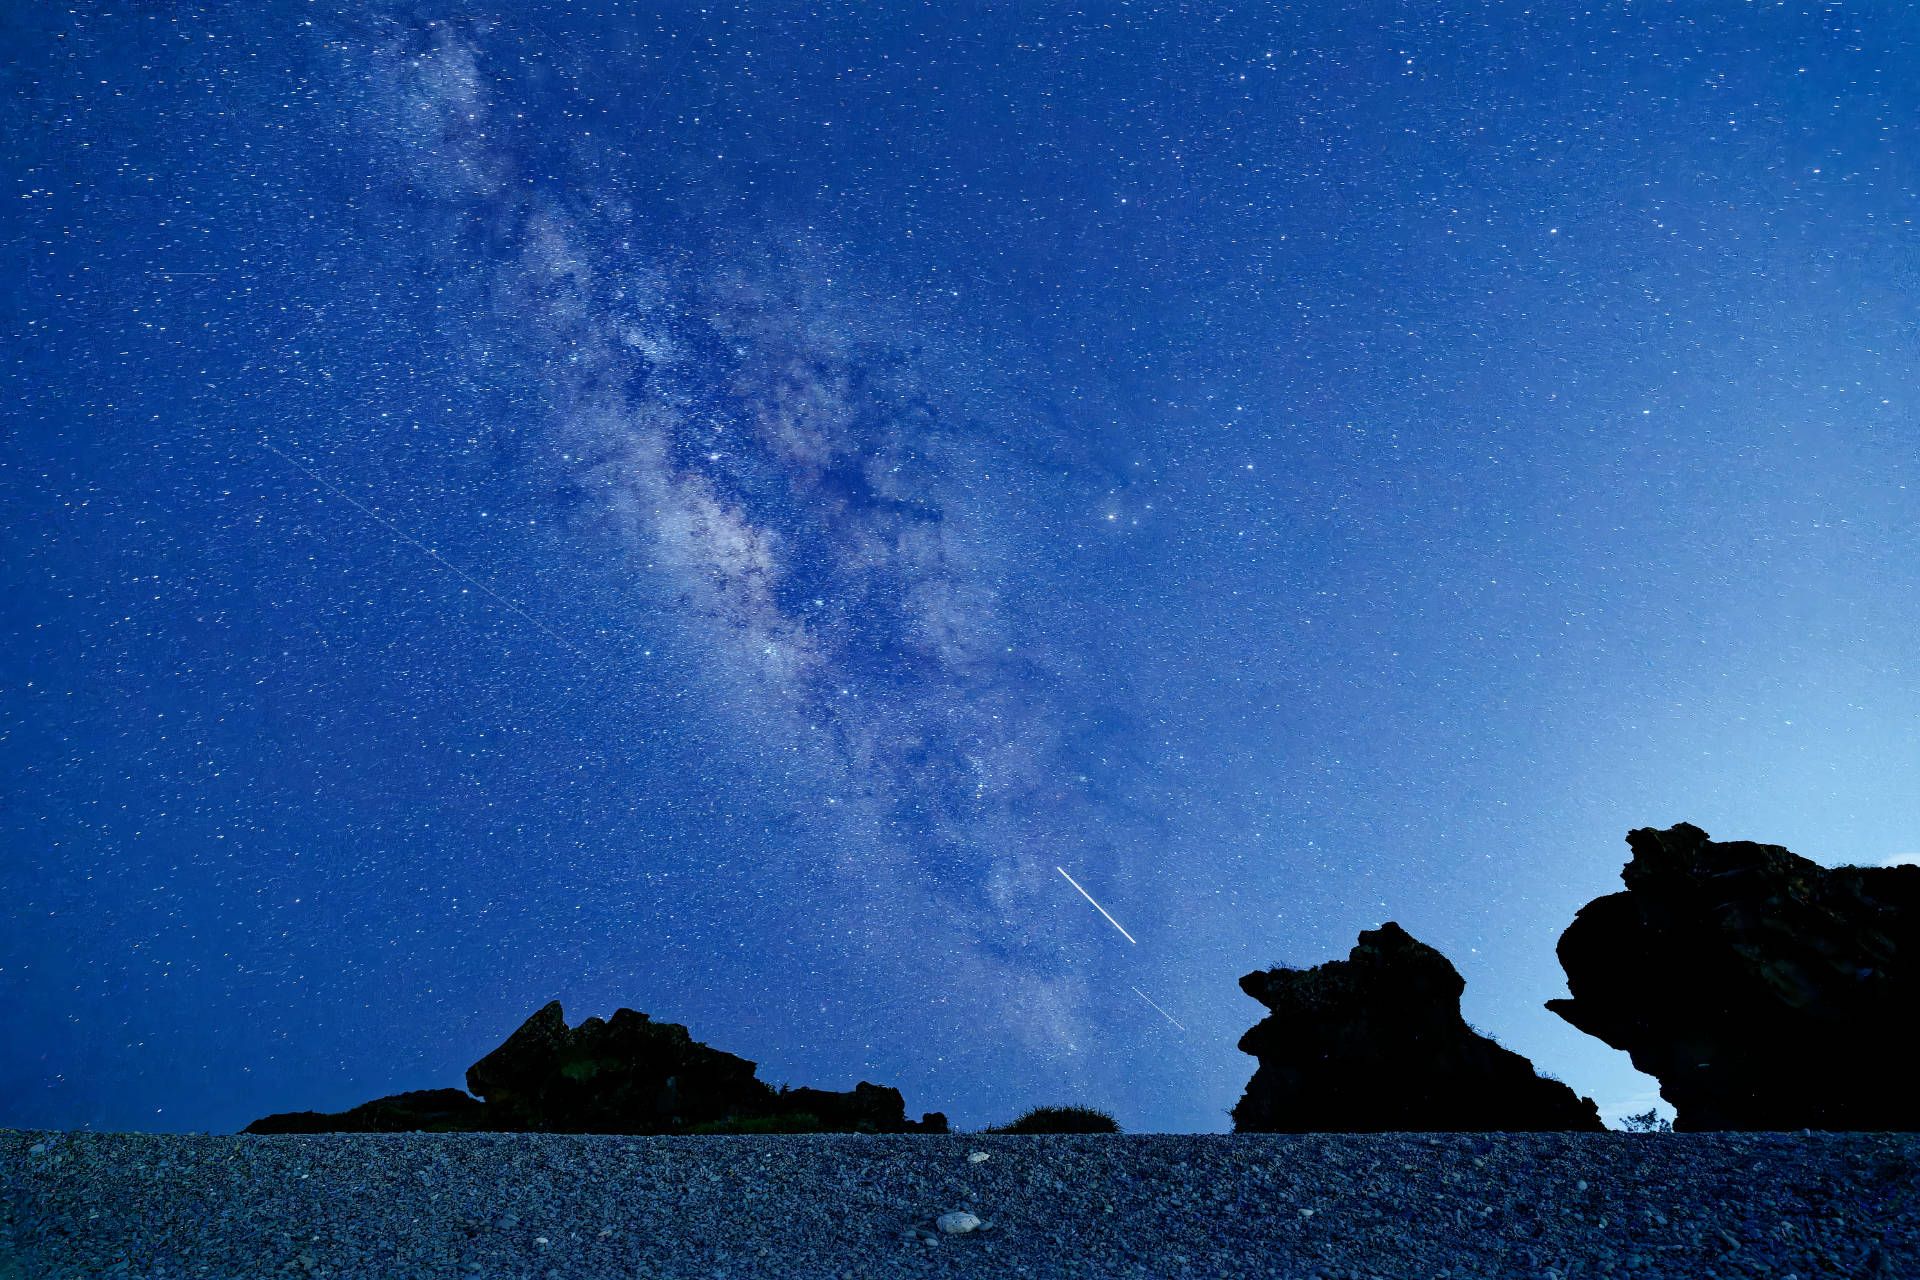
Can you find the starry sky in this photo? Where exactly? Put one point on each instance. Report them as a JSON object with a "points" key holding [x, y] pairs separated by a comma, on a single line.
{"points": [[715, 509]]}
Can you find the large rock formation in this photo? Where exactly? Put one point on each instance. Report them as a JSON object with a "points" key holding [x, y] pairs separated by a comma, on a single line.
{"points": [[1375, 1043], [626, 1074], [1762, 990]]}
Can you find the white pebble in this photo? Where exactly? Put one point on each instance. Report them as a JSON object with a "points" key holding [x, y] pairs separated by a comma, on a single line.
{"points": [[956, 1223], [1306, 1213], [977, 1157]]}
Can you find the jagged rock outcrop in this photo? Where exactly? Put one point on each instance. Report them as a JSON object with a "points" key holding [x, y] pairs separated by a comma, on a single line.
{"points": [[1762, 990], [624, 1074], [1375, 1043]]}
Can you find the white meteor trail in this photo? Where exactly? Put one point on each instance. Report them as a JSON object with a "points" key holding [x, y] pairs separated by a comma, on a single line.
{"points": [[1097, 907], [418, 545], [1156, 1008]]}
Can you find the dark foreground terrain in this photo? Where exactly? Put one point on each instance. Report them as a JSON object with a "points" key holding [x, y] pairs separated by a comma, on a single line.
{"points": [[1427, 1205]]}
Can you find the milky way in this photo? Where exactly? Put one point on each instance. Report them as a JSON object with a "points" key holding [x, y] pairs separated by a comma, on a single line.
{"points": [[748, 425]]}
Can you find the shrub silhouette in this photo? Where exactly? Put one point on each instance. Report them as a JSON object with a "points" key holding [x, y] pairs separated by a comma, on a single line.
{"points": [[1648, 1121], [1060, 1120]]}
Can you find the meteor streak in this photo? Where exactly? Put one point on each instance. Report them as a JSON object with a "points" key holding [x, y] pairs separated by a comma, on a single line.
{"points": [[1156, 1008], [418, 545], [1097, 907]]}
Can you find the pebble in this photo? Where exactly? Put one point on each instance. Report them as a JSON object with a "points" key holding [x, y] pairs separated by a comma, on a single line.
{"points": [[978, 1157], [957, 1223]]}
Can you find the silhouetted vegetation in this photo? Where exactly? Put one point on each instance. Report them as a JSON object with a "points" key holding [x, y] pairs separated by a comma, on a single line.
{"points": [[1648, 1121], [1061, 1120]]}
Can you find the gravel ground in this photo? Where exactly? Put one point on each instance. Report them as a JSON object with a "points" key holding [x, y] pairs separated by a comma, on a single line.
{"points": [[1323, 1205]]}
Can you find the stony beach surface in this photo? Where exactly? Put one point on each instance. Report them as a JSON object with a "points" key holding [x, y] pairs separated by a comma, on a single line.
{"points": [[1328, 1205]]}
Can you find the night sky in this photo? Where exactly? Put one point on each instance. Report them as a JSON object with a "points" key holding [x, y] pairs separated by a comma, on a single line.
{"points": [[714, 509]]}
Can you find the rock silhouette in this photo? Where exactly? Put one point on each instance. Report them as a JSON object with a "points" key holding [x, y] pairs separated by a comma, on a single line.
{"points": [[1375, 1043], [1762, 990], [432, 1110], [624, 1074]]}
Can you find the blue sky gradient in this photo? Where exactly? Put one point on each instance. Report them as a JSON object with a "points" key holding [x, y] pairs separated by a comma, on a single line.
{"points": [[706, 508]]}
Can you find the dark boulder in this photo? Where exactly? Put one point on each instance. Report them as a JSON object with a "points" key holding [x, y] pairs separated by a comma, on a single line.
{"points": [[1375, 1043], [624, 1074], [423, 1110], [1763, 990], [867, 1108]]}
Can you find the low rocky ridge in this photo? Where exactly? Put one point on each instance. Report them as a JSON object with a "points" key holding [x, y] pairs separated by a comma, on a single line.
{"points": [[421, 1110], [1376, 1043], [1457, 1206], [1762, 990], [626, 1074]]}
